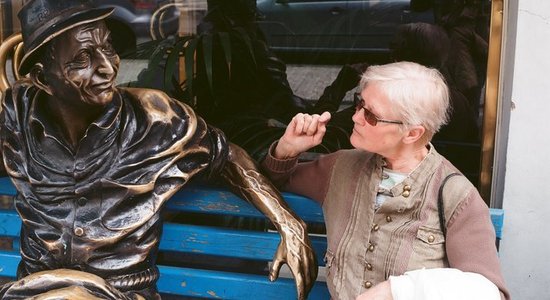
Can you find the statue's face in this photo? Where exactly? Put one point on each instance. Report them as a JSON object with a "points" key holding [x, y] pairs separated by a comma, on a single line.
{"points": [[84, 66]]}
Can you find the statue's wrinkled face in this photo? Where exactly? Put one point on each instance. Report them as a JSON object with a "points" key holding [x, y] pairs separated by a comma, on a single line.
{"points": [[84, 66]]}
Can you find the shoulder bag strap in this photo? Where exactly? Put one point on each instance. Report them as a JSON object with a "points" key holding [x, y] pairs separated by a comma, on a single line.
{"points": [[440, 208]]}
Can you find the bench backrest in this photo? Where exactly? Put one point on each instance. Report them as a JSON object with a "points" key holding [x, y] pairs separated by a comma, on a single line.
{"points": [[197, 243]]}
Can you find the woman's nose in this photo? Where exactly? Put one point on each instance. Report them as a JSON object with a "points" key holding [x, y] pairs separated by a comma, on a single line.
{"points": [[357, 118]]}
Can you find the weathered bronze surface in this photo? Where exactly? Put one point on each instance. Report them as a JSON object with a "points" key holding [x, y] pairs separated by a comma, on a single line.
{"points": [[93, 165]]}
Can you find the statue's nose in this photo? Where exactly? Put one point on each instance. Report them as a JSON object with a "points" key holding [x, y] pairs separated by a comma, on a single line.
{"points": [[105, 66]]}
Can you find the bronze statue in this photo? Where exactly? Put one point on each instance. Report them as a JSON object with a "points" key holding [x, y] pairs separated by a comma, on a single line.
{"points": [[93, 165]]}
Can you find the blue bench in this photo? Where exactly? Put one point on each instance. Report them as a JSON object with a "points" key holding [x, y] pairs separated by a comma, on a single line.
{"points": [[212, 242]]}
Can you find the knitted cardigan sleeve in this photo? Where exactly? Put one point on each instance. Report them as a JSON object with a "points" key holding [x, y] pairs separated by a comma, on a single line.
{"points": [[470, 241], [310, 179]]}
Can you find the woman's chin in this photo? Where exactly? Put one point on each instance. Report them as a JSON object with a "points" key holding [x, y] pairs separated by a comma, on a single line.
{"points": [[353, 139]]}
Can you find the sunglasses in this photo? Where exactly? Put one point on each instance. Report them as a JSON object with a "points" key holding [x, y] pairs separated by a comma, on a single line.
{"points": [[370, 117]]}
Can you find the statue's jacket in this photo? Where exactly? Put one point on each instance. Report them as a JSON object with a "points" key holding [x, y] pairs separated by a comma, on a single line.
{"points": [[97, 208]]}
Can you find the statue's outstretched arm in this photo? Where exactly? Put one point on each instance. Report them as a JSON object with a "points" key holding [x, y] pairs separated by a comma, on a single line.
{"points": [[243, 177]]}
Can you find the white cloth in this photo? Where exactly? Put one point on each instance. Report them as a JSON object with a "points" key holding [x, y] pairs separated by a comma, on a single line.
{"points": [[444, 283]]}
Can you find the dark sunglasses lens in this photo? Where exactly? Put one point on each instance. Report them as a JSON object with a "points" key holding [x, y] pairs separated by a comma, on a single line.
{"points": [[370, 117], [360, 104]]}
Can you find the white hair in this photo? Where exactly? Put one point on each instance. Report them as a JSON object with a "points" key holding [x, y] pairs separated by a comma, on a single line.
{"points": [[418, 94]]}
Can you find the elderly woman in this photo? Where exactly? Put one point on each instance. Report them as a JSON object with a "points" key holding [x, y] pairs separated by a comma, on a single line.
{"points": [[387, 237]]}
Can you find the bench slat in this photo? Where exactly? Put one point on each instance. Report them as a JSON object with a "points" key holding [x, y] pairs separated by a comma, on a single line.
{"points": [[222, 202], [219, 241], [199, 199], [6, 187], [8, 263], [10, 223], [204, 283], [222, 285], [219, 201], [196, 239], [497, 217]]}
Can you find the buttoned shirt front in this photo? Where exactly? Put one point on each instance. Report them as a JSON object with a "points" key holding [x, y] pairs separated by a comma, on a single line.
{"points": [[97, 208]]}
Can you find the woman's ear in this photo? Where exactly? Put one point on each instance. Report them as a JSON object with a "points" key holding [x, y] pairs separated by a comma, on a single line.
{"points": [[38, 79], [413, 134]]}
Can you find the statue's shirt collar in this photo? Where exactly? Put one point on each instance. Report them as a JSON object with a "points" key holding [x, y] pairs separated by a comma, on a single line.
{"points": [[44, 125]]}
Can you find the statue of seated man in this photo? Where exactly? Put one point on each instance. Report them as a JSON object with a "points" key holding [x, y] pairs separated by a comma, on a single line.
{"points": [[93, 165]]}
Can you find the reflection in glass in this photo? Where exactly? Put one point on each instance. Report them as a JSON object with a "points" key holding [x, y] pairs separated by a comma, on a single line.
{"points": [[234, 64], [228, 59]]}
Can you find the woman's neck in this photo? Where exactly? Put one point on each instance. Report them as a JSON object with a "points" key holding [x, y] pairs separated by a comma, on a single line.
{"points": [[406, 161]]}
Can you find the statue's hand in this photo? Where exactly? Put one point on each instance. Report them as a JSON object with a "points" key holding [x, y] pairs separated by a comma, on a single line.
{"points": [[295, 250]]}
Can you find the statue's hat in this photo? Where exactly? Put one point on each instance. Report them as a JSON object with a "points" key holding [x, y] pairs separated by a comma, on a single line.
{"points": [[43, 20]]}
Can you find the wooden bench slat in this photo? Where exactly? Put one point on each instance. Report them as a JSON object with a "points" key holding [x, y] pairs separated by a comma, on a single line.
{"points": [[222, 202], [196, 239], [204, 283], [223, 285], [10, 223], [8, 263], [497, 217], [219, 201], [6, 187], [199, 199], [225, 242]]}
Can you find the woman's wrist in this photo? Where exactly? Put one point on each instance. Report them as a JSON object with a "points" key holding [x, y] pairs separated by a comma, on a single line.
{"points": [[283, 151]]}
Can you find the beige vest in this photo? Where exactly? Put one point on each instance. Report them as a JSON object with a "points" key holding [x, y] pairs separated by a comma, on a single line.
{"points": [[366, 247]]}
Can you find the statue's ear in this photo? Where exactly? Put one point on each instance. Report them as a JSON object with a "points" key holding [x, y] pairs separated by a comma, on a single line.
{"points": [[38, 79]]}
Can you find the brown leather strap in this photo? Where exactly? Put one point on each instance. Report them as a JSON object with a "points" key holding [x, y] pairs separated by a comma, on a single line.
{"points": [[440, 208]]}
